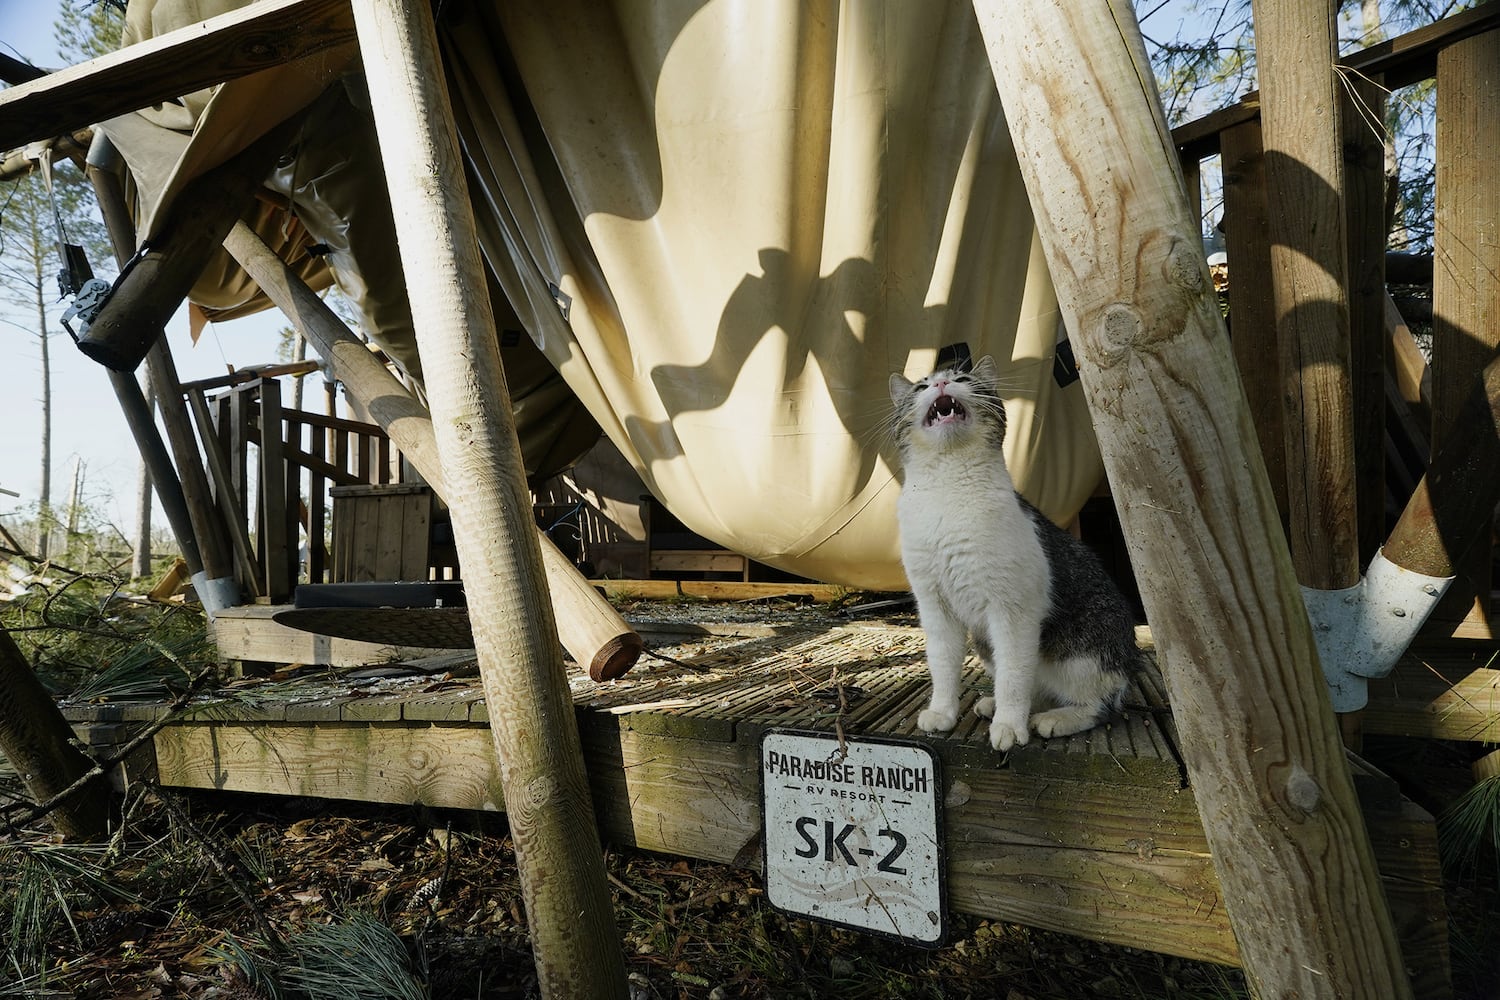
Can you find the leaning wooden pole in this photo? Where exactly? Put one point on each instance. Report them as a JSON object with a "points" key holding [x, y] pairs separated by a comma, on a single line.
{"points": [[591, 630], [1266, 766], [574, 940]]}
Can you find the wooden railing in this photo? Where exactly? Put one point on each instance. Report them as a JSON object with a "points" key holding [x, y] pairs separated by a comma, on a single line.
{"points": [[1393, 419], [271, 488]]}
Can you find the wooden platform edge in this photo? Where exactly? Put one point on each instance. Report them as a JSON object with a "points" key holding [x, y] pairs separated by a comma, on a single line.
{"points": [[1111, 862]]}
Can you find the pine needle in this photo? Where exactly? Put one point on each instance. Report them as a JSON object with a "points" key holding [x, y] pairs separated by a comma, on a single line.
{"points": [[1469, 830], [358, 959]]}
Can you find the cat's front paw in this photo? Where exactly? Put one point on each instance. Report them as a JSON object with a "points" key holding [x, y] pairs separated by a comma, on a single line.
{"points": [[933, 720], [1004, 735]]}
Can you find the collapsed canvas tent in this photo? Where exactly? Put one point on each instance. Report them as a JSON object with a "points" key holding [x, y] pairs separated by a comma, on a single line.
{"points": [[713, 230]]}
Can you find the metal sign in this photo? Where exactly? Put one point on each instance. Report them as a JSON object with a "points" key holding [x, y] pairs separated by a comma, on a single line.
{"points": [[852, 833]]}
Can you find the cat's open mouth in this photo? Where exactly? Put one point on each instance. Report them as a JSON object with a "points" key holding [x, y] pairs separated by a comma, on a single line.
{"points": [[944, 409]]}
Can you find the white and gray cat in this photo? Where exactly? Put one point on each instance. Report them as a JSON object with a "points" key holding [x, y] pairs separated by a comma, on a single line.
{"points": [[983, 563]]}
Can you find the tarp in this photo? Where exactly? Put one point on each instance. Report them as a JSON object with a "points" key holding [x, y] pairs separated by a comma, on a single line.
{"points": [[725, 224]]}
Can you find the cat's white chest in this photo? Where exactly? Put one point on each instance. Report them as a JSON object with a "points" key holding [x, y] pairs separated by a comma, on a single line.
{"points": [[965, 536]]}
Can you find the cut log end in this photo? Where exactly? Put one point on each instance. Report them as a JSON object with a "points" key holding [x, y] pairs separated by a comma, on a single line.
{"points": [[616, 657]]}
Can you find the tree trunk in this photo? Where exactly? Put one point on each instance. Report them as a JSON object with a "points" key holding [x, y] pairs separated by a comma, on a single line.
{"points": [[574, 939], [140, 565], [1263, 753], [35, 738], [44, 494], [75, 503], [299, 353]]}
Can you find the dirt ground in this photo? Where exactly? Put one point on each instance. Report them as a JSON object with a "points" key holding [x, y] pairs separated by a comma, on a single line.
{"points": [[222, 873]]}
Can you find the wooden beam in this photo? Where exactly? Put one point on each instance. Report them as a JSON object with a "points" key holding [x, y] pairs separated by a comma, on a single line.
{"points": [[248, 633], [575, 943], [210, 552], [258, 36], [224, 494], [1413, 56], [718, 590], [74, 145], [154, 285], [1401, 61], [1440, 694], [1122, 863], [1364, 204], [109, 192], [1257, 733]]}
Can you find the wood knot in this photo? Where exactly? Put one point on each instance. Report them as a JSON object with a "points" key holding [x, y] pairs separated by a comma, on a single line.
{"points": [[263, 48], [1120, 328], [541, 791], [1303, 791], [1183, 267]]}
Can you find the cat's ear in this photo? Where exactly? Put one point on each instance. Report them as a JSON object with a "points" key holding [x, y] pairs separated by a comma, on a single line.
{"points": [[985, 370], [900, 387]]}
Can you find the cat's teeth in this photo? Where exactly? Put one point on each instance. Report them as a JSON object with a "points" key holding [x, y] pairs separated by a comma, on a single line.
{"points": [[943, 409]]}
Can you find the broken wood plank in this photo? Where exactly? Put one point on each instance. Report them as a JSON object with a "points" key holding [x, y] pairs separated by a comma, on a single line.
{"points": [[248, 633]]}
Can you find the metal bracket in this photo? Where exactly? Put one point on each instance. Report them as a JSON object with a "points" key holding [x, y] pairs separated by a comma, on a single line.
{"points": [[87, 305], [1363, 630]]}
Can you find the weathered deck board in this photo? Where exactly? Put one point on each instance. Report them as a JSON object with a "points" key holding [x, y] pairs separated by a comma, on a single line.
{"points": [[1448, 690]]}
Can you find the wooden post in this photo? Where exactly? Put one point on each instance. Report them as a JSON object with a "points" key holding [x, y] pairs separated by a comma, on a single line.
{"points": [[1296, 44], [1252, 317], [561, 862], [1263, 754], [592, 631], [1364, 215], [1466, 267]]}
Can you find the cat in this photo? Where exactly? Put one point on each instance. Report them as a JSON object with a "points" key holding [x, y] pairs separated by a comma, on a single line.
{"points": [[984, 563]]}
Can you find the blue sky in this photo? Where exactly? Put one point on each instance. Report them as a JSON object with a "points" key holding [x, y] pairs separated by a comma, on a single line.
{"points": [[86, 419]]}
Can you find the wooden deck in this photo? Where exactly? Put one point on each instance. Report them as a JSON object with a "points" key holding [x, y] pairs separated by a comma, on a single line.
{"points": [[1096, 835]]}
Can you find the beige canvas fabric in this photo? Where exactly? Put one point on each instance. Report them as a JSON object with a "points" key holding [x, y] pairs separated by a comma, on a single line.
{"points": [[725, 224]]}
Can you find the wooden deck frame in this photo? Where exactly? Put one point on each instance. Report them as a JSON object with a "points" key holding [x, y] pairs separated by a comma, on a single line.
{"points": [[1095, 835]]}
